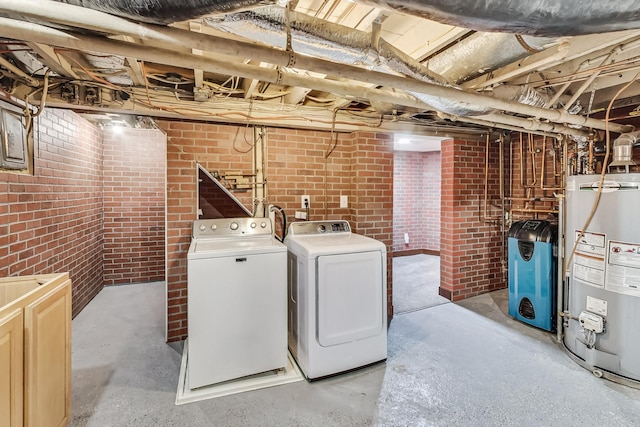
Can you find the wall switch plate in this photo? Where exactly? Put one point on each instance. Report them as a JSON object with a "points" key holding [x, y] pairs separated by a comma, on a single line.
{"points": [[344, 201], [305, 201]]}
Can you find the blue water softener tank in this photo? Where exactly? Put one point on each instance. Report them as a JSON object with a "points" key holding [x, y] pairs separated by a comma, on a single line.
{"points": [[532, 246]]}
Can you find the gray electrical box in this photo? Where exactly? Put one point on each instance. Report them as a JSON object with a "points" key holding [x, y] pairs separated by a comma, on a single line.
{"points": [[13, 141]]}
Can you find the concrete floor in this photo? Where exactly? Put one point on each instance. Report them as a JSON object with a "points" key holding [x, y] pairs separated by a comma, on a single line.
{"points": [[464, 364], [416, 279]]}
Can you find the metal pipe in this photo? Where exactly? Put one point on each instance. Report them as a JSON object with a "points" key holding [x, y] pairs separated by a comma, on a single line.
{"points": [[532, 151], [531, 210], [560, 261], [522, 161], [12, 28], [517, 124], [174, 39], [531, 199], [503, 231], [486, 180]]}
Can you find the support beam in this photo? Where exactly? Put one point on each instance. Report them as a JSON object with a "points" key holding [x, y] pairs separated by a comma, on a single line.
{"points": [[575, 47], [54, 61]]}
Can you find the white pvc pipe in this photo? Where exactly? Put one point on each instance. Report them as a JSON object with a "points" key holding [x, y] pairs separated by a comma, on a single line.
{"points": [[173, 38]]}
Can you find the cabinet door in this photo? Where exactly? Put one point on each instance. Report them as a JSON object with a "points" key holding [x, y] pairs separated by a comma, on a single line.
{"points": [[11, 372], [48, 359]]}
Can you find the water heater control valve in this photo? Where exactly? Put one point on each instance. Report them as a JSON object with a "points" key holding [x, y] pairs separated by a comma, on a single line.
{"points": [[591, 322]]}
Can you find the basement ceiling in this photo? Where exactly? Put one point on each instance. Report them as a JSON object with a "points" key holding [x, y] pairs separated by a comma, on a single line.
{"points": [[330, 64]]}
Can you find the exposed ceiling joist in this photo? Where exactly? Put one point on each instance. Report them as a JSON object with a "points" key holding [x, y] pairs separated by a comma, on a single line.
{"points": [[54, 61]]}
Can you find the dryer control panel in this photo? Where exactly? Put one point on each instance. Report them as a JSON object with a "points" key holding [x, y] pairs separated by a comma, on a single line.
{"points": [[227, 227], [319, 227]]}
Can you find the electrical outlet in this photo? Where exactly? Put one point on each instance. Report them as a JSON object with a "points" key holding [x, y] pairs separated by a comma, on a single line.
{"points": [[344, 201], [305, 201]]}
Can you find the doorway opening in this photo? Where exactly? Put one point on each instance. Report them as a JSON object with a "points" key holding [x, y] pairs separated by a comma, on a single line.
{"points": [[416, 223]]}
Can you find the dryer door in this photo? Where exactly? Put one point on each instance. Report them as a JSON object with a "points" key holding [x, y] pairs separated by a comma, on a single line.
{"points": [[350, 297]]}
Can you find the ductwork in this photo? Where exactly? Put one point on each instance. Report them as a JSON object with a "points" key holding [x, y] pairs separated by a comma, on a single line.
{"points": [[321, 39], [533, 17], [480, 52]]}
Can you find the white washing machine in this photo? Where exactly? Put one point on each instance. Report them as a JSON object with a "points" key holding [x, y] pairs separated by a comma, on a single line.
{"points": [[237, 300], [337, 298]]}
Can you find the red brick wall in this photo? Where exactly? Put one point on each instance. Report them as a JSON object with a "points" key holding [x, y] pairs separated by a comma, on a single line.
{"points": [[416, 199], [52, 221], [372, 194], [134, 200], [470, 250], [296, 166]]}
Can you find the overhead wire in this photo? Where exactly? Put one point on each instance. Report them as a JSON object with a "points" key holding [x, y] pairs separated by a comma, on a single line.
{"points": [[596, 202]]}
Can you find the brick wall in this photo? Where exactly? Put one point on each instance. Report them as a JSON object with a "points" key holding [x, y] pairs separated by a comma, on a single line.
{"points": [[134, 200], [296, 166], [52, 221], [372, 194], [416, 201], [470, 250]]}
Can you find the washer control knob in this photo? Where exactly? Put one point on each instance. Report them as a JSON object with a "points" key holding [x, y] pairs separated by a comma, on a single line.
{"points": [[253, 225], [322, 228], [263, 224], [233, 225], [214, 227], [202, 227]]}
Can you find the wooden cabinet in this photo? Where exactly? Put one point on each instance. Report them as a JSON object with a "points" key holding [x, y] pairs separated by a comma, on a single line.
{"points": [[35, 351]]}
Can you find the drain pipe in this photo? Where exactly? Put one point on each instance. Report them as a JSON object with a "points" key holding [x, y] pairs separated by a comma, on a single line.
{"points": [[175, 39], [560, 261]]}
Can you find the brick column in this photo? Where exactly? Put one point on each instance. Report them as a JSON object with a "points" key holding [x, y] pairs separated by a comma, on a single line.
{"points": [[372, 193], [470, 252]]}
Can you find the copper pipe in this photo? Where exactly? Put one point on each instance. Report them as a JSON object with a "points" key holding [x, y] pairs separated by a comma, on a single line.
{"points": [[486, 181], [521, 161], [535, 210], [532, 199], [533, 159], [544, 147]]}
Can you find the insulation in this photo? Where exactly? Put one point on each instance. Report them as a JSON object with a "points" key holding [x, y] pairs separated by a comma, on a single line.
{"points": [[533, 17], [473, 56], [316, 37]]}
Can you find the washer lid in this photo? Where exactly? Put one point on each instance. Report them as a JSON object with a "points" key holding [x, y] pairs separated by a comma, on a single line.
{"points": [[315, 245], [216, 247]]}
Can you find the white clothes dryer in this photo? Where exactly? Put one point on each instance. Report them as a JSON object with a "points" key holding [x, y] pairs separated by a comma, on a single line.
{"points": [[237, 300], [337, 298]]}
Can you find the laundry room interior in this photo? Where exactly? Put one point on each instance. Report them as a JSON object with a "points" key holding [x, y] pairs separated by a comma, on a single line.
{"points": [[330, 213]]}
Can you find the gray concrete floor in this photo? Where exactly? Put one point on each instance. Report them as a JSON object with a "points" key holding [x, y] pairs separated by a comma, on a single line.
{"points": [[464, 364], [416, 279]]}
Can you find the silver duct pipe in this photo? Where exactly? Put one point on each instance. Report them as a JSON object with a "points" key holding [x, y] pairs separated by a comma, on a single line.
{"points": [[173, 38], [21, 30], [471, 57], [318, 38], [533, 17]]}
